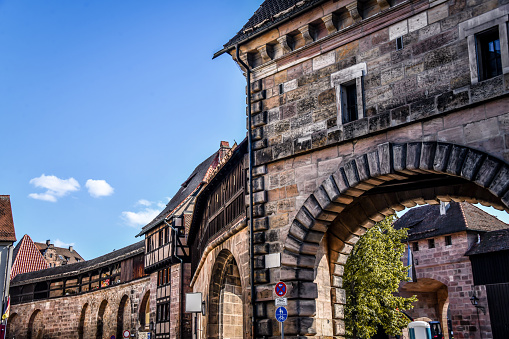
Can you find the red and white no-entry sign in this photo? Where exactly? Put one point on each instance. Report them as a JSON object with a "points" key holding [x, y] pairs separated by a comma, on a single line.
{"points": [[126, 334], [280, 289]]}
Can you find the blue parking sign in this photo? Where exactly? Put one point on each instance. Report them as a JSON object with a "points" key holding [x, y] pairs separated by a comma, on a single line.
{"points": [[281, 314]]}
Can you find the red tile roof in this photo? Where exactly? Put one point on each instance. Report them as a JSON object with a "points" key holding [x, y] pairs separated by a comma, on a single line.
{"points": [[7, 232], [27, 258]]}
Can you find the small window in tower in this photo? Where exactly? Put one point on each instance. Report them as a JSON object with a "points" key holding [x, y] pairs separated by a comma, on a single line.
{"points": [[448, 240], [415, 246], [349, 102], [399, 43], [489, 55], [431, 243]]}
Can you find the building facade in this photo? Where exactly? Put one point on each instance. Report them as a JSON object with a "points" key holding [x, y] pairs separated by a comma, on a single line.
{"points": [[439, 239], [359, 109], [57, 256]]}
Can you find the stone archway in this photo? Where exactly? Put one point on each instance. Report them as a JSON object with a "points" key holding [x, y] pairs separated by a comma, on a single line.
{"points": [[12, 325], [225, 318], [35, 328], [100, 319], [82, 326], [122, 317], [363, 191], [433, 300], [144, 313]]}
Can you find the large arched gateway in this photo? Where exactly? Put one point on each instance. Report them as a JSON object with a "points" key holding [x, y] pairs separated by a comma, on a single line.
{"points": [[365, 189]]}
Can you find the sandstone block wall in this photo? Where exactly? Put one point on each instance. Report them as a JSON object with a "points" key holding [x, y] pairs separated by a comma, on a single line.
{"points": [[61, 317], [421, 93]]}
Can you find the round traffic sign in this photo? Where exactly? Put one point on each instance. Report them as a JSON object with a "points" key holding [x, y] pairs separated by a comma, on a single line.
{"points": [[280, 289], [126, 334], [281, 314]]}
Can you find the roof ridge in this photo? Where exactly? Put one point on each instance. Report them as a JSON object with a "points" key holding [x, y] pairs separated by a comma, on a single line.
{"points": [[463, 214]]}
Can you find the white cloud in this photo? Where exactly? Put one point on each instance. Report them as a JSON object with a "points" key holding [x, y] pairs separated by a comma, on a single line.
{"points": [[99, 188], [137, 219], [144, 202], [161, 205], [55, 187], [43, 196], [59, 243]]}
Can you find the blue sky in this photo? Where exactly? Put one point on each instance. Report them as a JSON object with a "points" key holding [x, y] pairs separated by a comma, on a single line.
{"points": [[118, 98], [107, 106]]}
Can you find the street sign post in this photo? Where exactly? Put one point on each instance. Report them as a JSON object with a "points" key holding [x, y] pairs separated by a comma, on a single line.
{"points": [[280, 289], [281, 302], [281, 316]]}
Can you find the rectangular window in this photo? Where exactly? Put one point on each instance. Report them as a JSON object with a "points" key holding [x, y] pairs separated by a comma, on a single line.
{"points": [[161, 238], [448, 240], [399, 43], [349, 102], [431, 243], [415, 246], [489, 55]]}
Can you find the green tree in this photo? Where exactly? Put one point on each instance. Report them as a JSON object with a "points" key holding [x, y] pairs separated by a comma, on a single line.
{"points": [[372, 275]]}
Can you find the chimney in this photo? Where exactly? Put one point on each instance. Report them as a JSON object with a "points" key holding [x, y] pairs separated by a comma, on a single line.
{"points": [[224, 147], [444, 206], [48, 242], [71, 249]]}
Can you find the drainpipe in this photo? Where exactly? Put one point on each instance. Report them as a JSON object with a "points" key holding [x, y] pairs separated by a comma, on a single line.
{"points": [[181, 282], [251, 222]]}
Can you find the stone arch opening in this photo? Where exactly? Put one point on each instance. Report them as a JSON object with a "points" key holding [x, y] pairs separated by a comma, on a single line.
{"points": [[144, 314], [35, 328], [122, 317], [225, 319], [433, 300], [82, 324], [364, 190], [12, 324], [100, 319]]}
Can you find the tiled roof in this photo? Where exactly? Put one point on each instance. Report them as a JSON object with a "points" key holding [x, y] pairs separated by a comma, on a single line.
{"points": [[426, 221], [64, 252], [82, 266], [27, 257], [7, 232], [186, 189], [270, 13], [491, 242]]}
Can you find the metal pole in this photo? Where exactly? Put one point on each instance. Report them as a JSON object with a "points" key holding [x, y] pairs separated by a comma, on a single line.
{"points": [[479, 322], [282, 330], [251, 214]]}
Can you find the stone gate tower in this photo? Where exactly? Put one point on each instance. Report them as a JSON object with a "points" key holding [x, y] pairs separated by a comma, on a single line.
{"points": [[359, 109]]}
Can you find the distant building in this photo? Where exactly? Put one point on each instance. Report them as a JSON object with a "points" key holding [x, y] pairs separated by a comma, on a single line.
{"points": [[27, 257], [57, 256], [97, 298], [490, 258], [440, 236], [7, 238]]}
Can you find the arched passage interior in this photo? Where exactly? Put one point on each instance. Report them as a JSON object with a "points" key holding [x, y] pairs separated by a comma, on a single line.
{"points": [[122, 315], [83, 321], [225, 318], [144, 314], [35, 325], [100, 319]]}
